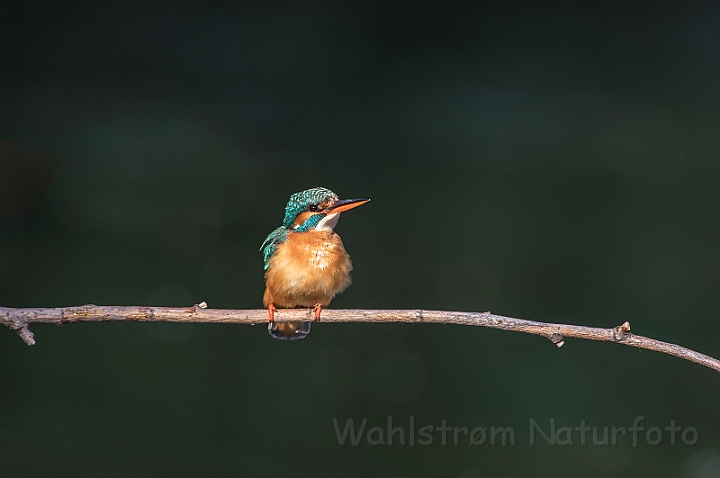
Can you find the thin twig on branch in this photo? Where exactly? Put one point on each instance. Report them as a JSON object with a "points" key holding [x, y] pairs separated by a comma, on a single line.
{"points": [[20, 319]]}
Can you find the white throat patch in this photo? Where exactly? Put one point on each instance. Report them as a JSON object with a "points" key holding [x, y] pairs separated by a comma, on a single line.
{"points": [[328, 222]]}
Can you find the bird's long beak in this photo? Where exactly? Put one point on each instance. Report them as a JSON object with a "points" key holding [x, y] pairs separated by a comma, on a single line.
{"points": [[343, 205]]}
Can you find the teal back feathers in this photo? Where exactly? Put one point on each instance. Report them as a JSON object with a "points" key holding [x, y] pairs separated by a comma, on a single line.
{"points": [[308, 200], [272, 242]]}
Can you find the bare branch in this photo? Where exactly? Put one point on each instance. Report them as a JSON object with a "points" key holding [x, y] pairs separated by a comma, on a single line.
{"points": [[19, 319]]}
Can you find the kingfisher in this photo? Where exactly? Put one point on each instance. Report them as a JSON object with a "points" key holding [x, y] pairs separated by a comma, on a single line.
{"points": [[306, 264]]}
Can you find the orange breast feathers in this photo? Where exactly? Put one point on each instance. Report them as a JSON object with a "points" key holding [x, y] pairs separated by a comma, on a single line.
{"points": [[309, 268]]}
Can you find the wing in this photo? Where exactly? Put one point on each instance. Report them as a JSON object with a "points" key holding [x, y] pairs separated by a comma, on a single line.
{"points": [[272, 242]]}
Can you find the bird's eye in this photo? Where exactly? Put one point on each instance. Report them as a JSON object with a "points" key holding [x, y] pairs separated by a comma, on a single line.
{"points": [[312, 207]]}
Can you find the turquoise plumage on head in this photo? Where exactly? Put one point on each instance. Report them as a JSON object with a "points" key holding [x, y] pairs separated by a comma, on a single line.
{"points": [[302, 201], [308, 200]]}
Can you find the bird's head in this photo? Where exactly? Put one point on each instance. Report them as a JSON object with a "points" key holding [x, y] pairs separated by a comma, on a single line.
{"points": [[316, 209]]}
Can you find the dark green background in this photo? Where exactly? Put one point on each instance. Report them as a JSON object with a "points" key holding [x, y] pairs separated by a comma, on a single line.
{"points": [[550, 161]]}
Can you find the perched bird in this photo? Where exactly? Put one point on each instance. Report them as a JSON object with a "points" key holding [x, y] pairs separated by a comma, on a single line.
{"points": [[305, 262]]}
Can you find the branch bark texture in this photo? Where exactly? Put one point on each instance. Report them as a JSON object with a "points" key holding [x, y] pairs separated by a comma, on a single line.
{"points": [[20, 319]]}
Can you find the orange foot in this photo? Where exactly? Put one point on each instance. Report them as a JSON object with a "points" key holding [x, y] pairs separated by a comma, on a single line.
{"points": [[318, 309], [271, 312]]}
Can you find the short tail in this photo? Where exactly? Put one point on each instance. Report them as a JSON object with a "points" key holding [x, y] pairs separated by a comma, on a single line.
{"points": [[289, 330]]}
